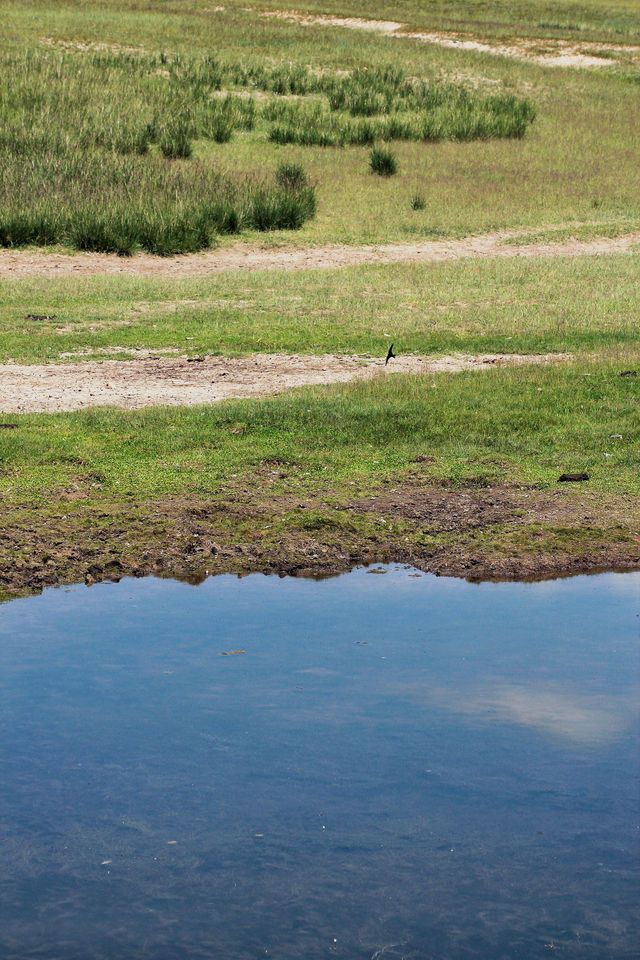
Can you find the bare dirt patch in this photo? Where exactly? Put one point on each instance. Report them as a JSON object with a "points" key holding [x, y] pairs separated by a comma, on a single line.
{"points": [[41, 263], [557, 53], [90, 45], [354, 23], [545, 51], [182, 381]]}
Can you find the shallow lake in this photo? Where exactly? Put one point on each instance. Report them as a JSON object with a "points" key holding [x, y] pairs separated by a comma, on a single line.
{"points": [[395, 766]]}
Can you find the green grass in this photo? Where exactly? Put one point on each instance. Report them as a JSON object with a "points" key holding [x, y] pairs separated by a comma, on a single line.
{"points": [[580, 231], [503, 426], [383, 162], [77, 132], [126, 21], [77, 168], [588, 19], [588, 304]]}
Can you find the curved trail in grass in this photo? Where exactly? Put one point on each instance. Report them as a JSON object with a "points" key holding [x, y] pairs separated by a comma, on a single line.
{"points": [[555, 52], [179, 381], [39, 263]]}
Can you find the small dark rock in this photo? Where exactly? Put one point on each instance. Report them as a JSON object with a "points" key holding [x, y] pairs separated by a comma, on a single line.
{"points": [[572, 477], [8, 426], [629, 373]]}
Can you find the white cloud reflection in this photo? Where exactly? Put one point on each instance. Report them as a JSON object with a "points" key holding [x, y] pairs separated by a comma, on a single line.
{"points": [[592, 720]]}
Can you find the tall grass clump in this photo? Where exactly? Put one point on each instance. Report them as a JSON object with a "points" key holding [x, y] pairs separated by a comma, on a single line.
{"points": [[382, 162], [175, 142], [292, 176], [281, 208], [383, 104], [77, 168]]}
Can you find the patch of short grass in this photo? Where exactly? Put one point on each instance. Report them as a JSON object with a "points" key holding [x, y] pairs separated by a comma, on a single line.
{"points": [[580, 231], [529, 305]]}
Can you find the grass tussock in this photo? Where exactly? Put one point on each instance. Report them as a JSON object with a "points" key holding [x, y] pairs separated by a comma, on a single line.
{"points": [[292, 176], [383, 162]]}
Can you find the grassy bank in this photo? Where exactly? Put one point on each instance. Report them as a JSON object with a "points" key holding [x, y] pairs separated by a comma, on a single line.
{"points": [[456, 473]]}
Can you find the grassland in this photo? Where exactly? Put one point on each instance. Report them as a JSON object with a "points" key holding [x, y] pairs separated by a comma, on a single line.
{"points": [[570, 167], [96, 146], [455, 473]]}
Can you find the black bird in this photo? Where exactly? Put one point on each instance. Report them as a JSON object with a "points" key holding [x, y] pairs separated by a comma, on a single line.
{"points": [[390, 355]]}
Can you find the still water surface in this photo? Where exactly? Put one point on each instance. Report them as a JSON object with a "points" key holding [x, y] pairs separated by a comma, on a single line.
{"points": [[395, 766]]}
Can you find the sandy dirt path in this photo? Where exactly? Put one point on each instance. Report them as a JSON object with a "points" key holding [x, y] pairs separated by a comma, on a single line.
{"points": [[40, 263], [178, 381], [546, 51]]}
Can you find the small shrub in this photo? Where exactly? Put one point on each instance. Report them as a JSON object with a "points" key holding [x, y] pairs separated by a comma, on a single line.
{"points": [[418, 202], [291, 176], [382, 162]]}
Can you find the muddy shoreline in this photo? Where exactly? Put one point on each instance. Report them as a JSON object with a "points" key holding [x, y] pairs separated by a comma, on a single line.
{"points": [[498, 534]]}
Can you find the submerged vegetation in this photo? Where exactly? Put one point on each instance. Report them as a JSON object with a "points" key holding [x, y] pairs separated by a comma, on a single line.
{"points": [[88, 141]]}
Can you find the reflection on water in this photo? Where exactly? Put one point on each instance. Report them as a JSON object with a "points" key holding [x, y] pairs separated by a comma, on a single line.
{"points": [[395, 766], [597, 719]]}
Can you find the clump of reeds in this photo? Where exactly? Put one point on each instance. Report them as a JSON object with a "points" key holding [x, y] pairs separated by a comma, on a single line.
{"points": [[382, 162], [292, 176], [76, 164]]}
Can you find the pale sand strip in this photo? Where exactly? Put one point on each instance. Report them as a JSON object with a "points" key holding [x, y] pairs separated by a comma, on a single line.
{"points": [[176, 381]]}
